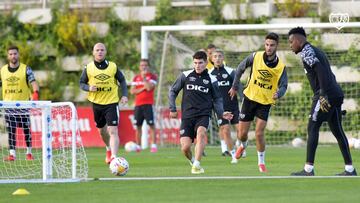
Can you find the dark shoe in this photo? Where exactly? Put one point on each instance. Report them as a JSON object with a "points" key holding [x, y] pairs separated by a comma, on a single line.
{"points": [[204, 154], [346, 173], [303, 173], [226, 153]]}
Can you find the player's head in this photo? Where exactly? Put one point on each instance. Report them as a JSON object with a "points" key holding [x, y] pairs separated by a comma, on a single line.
{"points": [[297, 38], [271, 43], [99, 52], [13, 54], [199, 61], [209, 49], [144, 65], [217, 57]]}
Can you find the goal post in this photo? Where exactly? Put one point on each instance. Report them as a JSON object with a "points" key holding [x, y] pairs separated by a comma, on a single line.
{"points": [[55, 142], [170, 50]]}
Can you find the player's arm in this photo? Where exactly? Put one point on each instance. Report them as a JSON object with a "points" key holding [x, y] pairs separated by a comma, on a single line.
{"points": [[323, 75], [84, 82], [31, 79], [282, 85], [247, 62], [150, 84], [173, 93], [240, 86], [134, 90], [119, 76]]}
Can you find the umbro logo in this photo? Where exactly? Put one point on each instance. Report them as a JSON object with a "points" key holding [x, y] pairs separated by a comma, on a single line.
{"points": [[12, 79], [102, 77], [265, 73]]}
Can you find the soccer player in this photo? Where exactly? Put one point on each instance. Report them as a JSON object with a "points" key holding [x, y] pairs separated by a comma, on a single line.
{"points": [[200, 95], [101, 78], [225, 77], [267, 83], [326, 102], [143, 86], [15, 78], [209, 49]]}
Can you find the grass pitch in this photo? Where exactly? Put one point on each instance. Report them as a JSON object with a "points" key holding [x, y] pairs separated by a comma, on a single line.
{"points": [[222, 181]]}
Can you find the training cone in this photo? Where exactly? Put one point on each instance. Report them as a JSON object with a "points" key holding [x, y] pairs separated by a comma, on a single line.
{"points": [[21, 191]]}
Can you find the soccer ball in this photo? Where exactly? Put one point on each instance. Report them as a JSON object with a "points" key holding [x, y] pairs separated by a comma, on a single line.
{"points": [[119, 166], [130, 146], [357, 144], [351, 142], [298, 142]]}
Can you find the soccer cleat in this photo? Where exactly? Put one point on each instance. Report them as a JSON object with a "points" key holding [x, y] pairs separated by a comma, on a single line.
{"points": [[346, 173], [239, 152], [138, 148], [234, 160], [108, 157], [226, 153], [29, 157], [153, 149], [262, 168], [197, 170], [10, 158], [303, 173]]}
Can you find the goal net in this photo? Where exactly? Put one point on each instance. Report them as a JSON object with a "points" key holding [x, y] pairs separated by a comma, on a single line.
{"points": [[170, 50], [48, 131]]}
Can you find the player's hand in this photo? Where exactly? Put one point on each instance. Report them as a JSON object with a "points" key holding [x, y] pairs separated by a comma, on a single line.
{"points": [[324, 104], [232, 92], [173, 114], [275, 96], [35, 95], [92, 88], [123, 100], [227, 115]]}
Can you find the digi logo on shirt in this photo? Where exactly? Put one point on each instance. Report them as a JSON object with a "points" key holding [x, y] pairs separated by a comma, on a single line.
{"points": [[223, 83], [197, 88]]}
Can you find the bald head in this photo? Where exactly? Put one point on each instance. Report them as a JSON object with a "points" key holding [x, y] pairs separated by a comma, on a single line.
{"points": [[99, 52]]}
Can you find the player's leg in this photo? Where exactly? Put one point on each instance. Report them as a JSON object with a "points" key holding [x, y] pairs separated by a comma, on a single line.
{"points": [[242, 135], [224, 130], [149, 116], [112, 121], [187, 136], [139, 119], [185, 143], [334, 121], [315, 120], [201, 126], [11, 128], [99, 117], [262, 114], [260, 143], [25, 122]]}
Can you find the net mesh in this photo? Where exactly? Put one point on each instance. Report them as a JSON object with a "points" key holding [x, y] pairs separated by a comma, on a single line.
{"points": [[288, 118], [18, 122]]}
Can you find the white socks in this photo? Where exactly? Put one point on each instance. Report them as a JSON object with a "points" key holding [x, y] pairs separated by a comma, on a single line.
{"points": [[308, 168], [12, 152], [349, 168], [28, 150], [108, 148], [223, 146], [153, 146], [196, 163], [261, 157]]}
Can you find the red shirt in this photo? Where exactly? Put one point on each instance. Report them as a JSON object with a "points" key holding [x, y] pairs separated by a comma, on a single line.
{"points": [[144, 97]]}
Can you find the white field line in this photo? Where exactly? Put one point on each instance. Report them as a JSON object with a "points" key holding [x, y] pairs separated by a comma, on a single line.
{"points": [[219, 178]]}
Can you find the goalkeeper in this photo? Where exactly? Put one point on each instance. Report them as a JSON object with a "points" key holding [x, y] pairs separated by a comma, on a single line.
{"points": [[327, 100], [15, 78]]}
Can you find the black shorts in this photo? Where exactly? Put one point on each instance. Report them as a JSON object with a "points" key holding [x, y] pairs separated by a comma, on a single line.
{"points": [[18, 118], [189, 126], [250, 109], [106, 114], [144, 112], [233, 121]]}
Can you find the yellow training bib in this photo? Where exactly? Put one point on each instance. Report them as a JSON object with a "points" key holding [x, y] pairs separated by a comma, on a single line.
{"points": [[15, 87]]}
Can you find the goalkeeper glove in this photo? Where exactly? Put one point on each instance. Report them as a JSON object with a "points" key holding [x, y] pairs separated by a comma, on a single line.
{"points": [[324, 104], [35, 95]]}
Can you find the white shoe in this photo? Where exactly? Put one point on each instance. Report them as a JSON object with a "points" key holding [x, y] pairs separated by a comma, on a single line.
{"points": [[234, 160], [197, 170], [243, 155]]}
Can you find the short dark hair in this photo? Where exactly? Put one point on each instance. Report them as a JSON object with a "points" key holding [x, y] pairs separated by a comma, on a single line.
{"points": [[297, 30], [273, 36], [12, 47], [210, 46], [145, 60], [200, 55]]}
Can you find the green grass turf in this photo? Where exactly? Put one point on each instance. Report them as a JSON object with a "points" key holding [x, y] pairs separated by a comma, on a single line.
{"points": [[169, 162]]}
